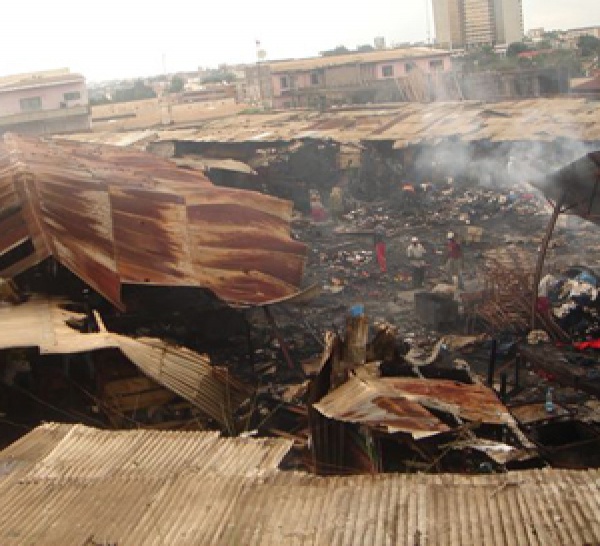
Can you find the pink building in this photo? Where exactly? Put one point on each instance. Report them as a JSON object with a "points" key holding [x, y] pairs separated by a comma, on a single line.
{"points": [[40, 103], [305, 82]]}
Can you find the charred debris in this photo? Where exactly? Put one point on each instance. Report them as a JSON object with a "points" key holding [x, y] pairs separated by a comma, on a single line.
{"points": [[139, 293]]}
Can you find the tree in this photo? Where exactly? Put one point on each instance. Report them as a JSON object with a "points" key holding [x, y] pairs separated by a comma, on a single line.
{"points": [[176, 85], [515, 48], [588, 46], [338, 50], [364, 48], [139, 91]]}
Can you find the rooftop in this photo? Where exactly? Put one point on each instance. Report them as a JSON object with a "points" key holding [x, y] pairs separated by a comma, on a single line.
{"points": [[376, 56], [73, 485], [38, 79], [117, 216]]}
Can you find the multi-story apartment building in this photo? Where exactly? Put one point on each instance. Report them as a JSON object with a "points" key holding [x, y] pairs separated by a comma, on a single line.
{"points": [[39, 103], [472, 23], [304, 82]]}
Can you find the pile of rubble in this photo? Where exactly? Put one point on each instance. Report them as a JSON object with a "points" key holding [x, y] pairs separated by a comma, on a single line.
{"points": [[180, 322]]}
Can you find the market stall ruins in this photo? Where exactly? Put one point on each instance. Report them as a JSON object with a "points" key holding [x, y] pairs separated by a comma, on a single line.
{"points": [[191, 286]]}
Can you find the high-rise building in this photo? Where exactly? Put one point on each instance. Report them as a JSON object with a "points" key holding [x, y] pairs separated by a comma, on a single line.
{"points": [[479, 23], [509, 21], [448, 22], [474, 23]]}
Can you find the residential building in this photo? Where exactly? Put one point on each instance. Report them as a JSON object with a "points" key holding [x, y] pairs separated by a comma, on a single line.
{"points": [[536, 34], [354, 77], [40, 103], [258, 87], [573, 35], [473, 23]]}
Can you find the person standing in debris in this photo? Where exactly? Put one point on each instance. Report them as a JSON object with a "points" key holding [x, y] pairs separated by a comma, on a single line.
{"points": [[317, 210], [455, 261], [415, 253], [379, 240]]}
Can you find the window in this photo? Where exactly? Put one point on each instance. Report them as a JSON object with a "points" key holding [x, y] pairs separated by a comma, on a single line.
{"points": [[408, 67], [314, 79], [31, 104], [73, 95], [387, 71], [284, 82], [436, 66]]}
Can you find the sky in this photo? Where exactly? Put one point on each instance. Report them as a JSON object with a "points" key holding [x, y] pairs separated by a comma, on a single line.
{"points": [[109, 39]]}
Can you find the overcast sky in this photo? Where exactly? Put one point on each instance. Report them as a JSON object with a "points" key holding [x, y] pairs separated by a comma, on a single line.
{"points": [[126, 38]]}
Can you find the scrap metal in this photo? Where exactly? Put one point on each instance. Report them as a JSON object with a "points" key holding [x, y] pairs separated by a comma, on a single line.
{"points": [[116, 216], [42, 323], [402, 404]]}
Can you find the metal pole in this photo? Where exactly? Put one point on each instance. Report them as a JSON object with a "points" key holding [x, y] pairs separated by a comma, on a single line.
{"points": [[542, 257], [492, 364], [503, 396]]}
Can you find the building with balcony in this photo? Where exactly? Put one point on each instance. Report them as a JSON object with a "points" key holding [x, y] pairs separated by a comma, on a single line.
{"points": [[41, 103], [355, 77]]}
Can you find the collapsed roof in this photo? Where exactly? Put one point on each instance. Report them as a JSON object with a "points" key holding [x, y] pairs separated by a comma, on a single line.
{"points": [[116, 216], [576, 187]]}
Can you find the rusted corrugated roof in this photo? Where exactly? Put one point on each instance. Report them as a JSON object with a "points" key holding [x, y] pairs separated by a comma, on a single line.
{"points": [[71, 486], [401, 404], [116, 215], [407, 123], [42, 323]]}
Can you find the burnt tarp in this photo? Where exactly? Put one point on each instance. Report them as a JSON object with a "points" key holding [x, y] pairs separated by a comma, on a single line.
{"points": [[576, 187], [116, 216]]}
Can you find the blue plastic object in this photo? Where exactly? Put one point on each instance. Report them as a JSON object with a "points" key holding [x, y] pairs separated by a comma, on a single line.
{"points": [[357, 310]]}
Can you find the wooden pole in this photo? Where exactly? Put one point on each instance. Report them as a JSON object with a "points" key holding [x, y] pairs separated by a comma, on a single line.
{"points": [[541, 259]]}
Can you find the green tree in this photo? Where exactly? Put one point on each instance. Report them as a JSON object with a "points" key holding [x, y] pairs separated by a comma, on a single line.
{"points": [[338, 50], [364, 48], [515, 48], [588, 46], [139, 91], [176, 85]]}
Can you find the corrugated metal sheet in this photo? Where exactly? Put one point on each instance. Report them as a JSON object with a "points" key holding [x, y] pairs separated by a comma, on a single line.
{"points": [[117, 215], [194, 488], [576, 187], [401, 404], [42, 323], [408, 123]]}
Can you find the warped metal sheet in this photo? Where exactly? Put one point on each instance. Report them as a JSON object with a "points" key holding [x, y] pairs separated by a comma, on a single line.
{"points": [[207, 163], [42, 323], [116, 215], [61, 486], [401, 404], [576, 187]]}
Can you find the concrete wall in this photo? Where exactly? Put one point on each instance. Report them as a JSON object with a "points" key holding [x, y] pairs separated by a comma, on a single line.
{"points": [[51, 95], [400, 67]]}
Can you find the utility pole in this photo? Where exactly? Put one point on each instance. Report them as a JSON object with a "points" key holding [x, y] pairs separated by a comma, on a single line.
{"points": [[427, 22]]}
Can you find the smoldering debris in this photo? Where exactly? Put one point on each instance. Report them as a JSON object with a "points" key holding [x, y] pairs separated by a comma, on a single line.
{"points": [[372, 362]]}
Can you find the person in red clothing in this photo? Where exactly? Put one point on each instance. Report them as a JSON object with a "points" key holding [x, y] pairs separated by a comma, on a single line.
{"points": [[455, 261], [379, 240]]}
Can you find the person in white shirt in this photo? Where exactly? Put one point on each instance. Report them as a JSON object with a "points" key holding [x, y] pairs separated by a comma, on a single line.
{"points": [[415, 253]]}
